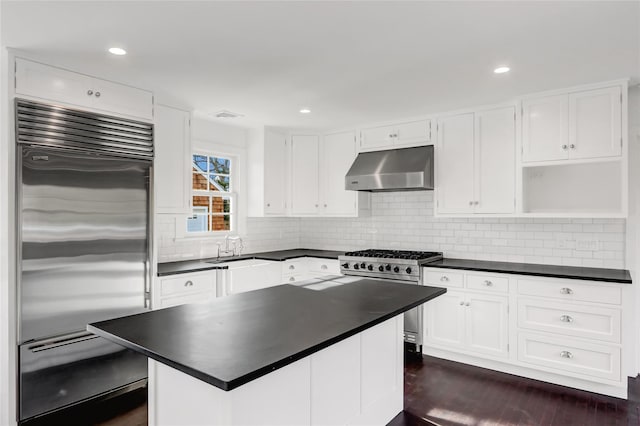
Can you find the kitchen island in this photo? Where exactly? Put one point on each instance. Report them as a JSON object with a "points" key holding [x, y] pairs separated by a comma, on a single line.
{"points": [[328, 352]]}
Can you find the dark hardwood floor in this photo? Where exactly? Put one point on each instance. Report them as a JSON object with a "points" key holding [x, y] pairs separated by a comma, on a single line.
{"points": [[437, 392], [446, 393]]}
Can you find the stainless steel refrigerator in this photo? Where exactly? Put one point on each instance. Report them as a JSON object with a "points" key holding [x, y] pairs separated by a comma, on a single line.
{"points": [[84, 251]]}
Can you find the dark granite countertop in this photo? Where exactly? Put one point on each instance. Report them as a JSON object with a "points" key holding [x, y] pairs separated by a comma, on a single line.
{"points": [[554, 271], [239, 338], [186, 266]]}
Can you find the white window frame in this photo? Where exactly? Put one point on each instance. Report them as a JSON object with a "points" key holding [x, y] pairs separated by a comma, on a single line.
{"points": [[232, 195]]}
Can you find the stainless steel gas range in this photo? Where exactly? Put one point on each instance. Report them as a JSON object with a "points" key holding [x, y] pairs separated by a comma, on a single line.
{"points": [[393, 265]]}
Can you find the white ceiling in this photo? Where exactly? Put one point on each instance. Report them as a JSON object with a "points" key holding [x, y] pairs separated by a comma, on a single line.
{"points": [[350, 62]]}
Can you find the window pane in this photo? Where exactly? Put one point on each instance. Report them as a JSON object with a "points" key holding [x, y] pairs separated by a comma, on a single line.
{"points": [[221, 222], [219, 165], [197, 223], [200, 163], [200, 182], [220, 205], [200, 204], [219, 183]]}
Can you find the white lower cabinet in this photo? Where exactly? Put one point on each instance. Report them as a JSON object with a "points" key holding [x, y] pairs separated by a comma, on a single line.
{"points": [[564, 331], [468, 321], [173, 290]]}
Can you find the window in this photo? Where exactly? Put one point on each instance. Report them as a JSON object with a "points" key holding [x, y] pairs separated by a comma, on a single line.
{"points": [[213, 198]]}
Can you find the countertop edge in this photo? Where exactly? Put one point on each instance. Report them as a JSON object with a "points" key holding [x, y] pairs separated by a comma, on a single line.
{"points": [[235, 383], [531, 273]]}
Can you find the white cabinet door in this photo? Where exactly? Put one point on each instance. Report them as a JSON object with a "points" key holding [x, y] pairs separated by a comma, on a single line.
{"points": [[126, 100], [275, 173], [495, 137], [486, 324], [304, 175], [445, 320], [455, 162], [595, 123], [376, 137], [414, 132], [46, 82], [545, 128], [172, 164], [337, 153]]}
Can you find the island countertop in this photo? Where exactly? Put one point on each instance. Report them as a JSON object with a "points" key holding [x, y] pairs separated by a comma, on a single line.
{"points": [[239, 338]]}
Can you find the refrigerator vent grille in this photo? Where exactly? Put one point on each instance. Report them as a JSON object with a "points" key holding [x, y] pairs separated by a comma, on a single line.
{"points": [[40, 124]]}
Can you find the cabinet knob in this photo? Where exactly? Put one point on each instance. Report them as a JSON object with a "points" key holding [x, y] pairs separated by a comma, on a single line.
{"points": [[316, 205], [325, 205], [488, 283], [470, 203], [323, 267], [89, 92], [566, 290], [268, 205], [476, 202], [566, 354], [188, 284], [444, 278], [566, 318], [564, 146], [97, 94], [467, 304], [572, 146], [292, 278], [461, 303]]}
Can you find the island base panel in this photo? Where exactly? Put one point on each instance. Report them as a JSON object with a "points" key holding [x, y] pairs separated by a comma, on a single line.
{"points": [[358, 381]]}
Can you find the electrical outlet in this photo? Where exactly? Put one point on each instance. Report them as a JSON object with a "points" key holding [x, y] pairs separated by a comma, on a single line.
{"points": [[587, 244]]}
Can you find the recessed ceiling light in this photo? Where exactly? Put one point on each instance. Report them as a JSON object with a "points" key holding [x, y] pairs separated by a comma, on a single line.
{"points": [[501, 70], [305, 111], [117, 51]]}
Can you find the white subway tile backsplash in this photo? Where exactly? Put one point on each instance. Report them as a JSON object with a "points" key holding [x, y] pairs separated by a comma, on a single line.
{"points": [[405, 220]]}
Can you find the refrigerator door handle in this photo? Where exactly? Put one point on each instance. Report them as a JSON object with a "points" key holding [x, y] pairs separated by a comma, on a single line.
{"points": [[69, 339]]}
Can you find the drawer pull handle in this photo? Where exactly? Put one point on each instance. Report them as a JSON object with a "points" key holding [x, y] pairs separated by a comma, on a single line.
{"points": [[292, 267], [444, 278], [188, 284], [467, 304], [292, 279], [566, 318], [488, 283], [461, 303], [323, 267], [566, 290], [566, 354]]}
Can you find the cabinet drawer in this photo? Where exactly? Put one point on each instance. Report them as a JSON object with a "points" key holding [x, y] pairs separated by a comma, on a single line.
{"points": [[488, 283], [323, 266], [187, 284], [293, 267], [167, 302], [444, 278], [570, 356], [571, 291], [570, 319]]}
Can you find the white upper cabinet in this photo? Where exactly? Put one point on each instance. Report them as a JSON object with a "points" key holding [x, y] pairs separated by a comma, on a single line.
{"points": [[337, 152], [275, 173], [476, 162], [172, 163], [58, 85], [545, 128], [305, 197], [574, 126], [595, 123], [400, 135], [455, 161], [495, 171], [376, 138]]}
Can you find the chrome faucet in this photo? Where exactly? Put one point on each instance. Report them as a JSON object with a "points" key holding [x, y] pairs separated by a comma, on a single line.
{"points": [[235, 250]]}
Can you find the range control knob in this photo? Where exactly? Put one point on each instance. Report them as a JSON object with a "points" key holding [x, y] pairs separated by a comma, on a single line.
{"points": [[396, 269], [408, 270], [370, 267], [345, 265], [381, 268], [388, 267], [355, 266], [362, 265]]}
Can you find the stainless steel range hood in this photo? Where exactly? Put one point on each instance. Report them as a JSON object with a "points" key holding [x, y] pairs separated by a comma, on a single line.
{"points": [[393, 170]]}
